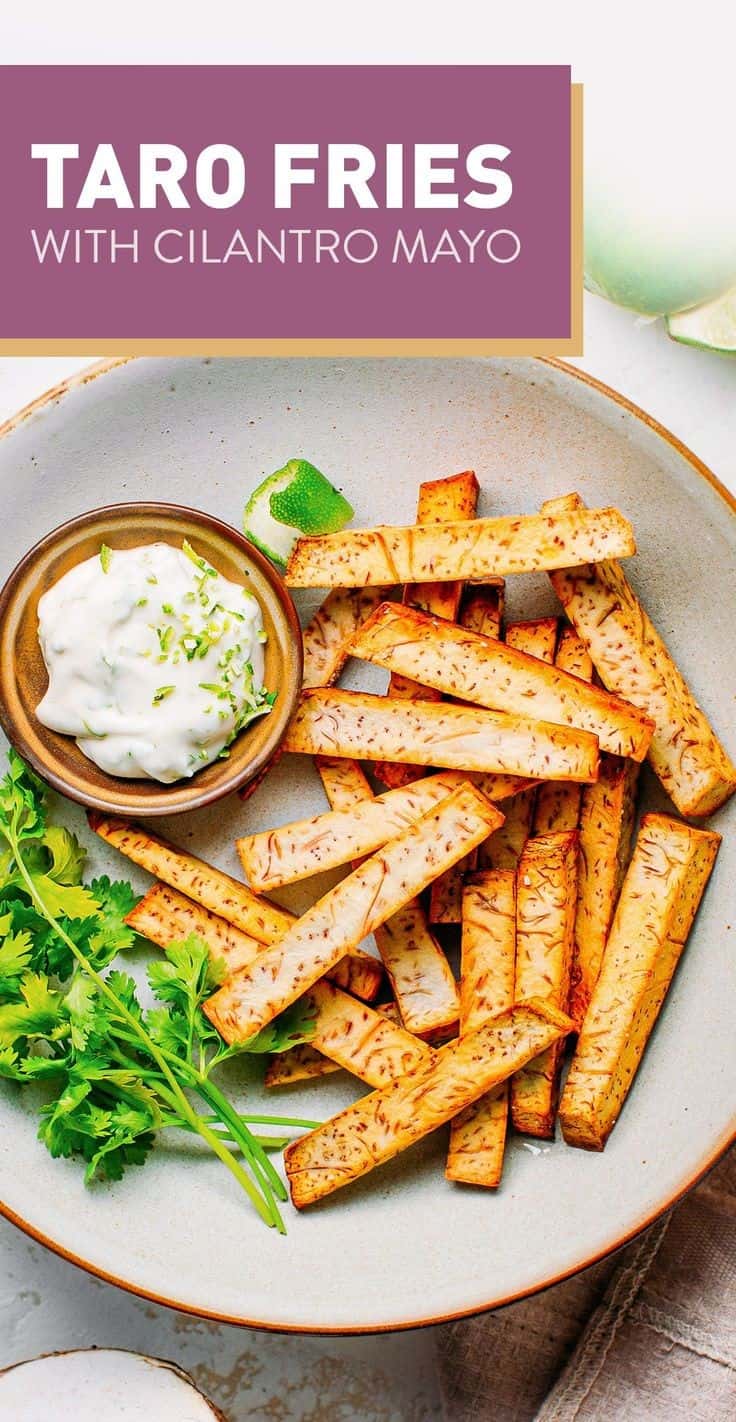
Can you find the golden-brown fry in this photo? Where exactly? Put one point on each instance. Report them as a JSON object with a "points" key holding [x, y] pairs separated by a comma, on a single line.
{"points": [[419, 973], [632, 660], [361, 1040], [447, 500], [374, 891], [355, 723], [482, 608], [538, 638], [300, 1063], [545, 918], [380, 1125], [572, 654], [440, 501], [327, 637], [481, 611], [499, 787], [165, 915], [345, 783], [478, 1134], [557, 807], [304, 847], [664, 884], [418, 970], [358, 973], [475, 548], [607, 814], [503, 849], [490, 673], [446, 893], [304, 1063]]}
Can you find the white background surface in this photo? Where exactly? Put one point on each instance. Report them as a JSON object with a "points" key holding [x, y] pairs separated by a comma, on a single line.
{"points": [[46, 1303]]}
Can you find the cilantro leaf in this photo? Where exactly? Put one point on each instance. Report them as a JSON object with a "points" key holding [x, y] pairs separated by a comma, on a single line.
{"points": [[67, 855], [16, 951]]}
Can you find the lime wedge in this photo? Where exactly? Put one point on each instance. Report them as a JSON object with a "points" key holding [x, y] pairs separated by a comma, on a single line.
{"points": [[711, 327], [297, 499]]}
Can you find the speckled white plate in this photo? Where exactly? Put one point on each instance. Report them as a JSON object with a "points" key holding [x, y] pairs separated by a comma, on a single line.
{"points": [[403, 1246]]}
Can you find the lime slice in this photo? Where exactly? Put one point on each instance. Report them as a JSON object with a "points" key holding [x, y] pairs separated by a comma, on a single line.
{"points": [[295, 500], [711, 327]]}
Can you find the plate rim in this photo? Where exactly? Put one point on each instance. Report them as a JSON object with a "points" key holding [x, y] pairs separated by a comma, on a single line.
{"points": [[728, 1138]]}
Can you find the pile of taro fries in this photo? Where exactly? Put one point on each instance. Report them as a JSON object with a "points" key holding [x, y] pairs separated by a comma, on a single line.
{"points": [[511, 757]]}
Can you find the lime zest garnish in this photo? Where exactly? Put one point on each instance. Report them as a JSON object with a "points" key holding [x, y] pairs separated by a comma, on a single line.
{"points": [[105, 557]]}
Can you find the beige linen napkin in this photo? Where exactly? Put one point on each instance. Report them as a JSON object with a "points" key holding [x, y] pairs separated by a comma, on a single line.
{"points": [[648, 1336]]}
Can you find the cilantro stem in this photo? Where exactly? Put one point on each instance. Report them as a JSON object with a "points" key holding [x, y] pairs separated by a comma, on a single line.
{"points": [[281, 1121], [230, 1117], [268, 1142], [261, 1198]]}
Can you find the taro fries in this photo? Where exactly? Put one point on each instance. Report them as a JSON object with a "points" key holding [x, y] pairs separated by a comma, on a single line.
{"points": [[512, 776]]}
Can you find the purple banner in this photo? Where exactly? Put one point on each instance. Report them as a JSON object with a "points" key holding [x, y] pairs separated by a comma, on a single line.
{"points": [[294, 203]]}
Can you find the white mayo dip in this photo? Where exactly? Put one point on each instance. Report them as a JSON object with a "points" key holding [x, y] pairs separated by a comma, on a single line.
{"points": [[155, 660]]}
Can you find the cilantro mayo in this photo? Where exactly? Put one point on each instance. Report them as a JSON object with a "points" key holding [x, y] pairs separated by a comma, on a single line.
{"points": [[155, 660]]}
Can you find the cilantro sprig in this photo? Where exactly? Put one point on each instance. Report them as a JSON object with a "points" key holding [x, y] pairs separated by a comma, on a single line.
{"points": [[114, 1072]]}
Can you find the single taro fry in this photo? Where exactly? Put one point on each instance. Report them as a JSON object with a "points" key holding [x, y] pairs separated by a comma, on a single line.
{"points": [[440, 501], [420, 975], [497, 675], [165, 916], [446, 893], [664, 884], [557, 807], [300, 1063], [355, 724], [482, 608], [358, 1038], [607, 814], [488, 956], [328, 636], [474, 549], [545, 919], [389, 1120], [632, 660], [304, 1063], [481, 611], [366, 898], [344, 782], [538, 638]]}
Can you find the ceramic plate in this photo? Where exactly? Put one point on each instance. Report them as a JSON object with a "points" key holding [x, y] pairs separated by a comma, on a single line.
{"points": [[403, 1246]]}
